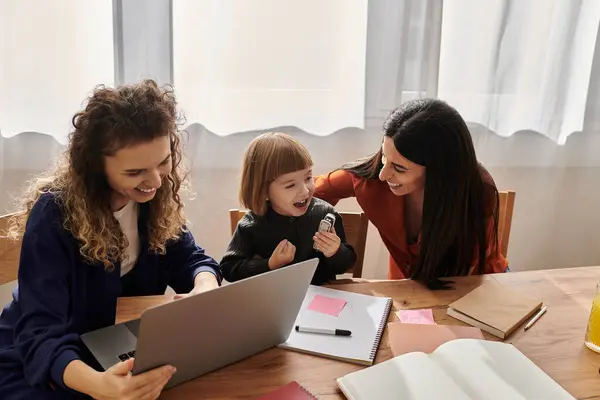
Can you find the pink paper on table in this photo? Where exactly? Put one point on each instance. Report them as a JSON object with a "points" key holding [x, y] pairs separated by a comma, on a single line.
{"points": [[327, 305], [416, 316]]}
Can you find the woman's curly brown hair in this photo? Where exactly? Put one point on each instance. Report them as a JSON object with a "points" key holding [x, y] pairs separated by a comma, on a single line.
{"points": [[111, 120]]}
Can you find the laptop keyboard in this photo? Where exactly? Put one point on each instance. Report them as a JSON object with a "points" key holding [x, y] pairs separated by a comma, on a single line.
{"points": [[126, 356]]}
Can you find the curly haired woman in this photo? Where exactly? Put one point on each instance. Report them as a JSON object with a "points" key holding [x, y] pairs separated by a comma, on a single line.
{"points": [[106, 222]]}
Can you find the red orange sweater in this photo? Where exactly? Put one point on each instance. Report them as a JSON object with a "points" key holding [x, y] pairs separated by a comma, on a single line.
{"points": [[386, 211]]}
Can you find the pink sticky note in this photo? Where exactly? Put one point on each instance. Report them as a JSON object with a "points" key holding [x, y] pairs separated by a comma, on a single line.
{"points": [[416, 316], [327, 305]]}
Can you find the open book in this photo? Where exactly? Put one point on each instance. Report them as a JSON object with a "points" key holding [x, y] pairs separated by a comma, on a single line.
{"points": [[462, 369]]}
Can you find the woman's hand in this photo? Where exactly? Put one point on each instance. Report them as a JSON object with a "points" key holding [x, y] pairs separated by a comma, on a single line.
{"points": [[327, 243], [117, 381], [282, 255], [203, 282]]}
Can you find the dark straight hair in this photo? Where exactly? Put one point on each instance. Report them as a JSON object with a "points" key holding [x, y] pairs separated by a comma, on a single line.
{"points": [[460, 196]]}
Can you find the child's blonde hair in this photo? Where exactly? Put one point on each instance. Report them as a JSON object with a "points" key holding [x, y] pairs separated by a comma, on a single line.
{"points": [[269, 156]]}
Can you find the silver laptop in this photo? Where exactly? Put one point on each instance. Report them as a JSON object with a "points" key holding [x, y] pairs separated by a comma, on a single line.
{"points": [[201, 333]]}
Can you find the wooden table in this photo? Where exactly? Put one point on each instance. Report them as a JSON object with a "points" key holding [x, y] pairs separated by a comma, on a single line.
{"points": [[554, 343]]}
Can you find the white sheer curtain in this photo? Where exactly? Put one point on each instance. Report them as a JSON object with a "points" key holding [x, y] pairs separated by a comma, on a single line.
{"points": [[52, 54], [244, 65], [513, 65], [402, 54], [402, 61]]}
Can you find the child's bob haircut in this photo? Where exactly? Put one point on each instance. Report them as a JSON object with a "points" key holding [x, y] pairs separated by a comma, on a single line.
{"points": [[269, 156]]}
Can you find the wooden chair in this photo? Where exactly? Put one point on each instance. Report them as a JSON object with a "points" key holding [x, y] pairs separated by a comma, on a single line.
{"points": [[505, 214], [355, 227], [10, 251]]}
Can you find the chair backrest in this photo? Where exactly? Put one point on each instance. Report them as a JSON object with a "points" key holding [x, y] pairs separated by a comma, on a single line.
{"points": [[10, 251], [355, 225], [505, 214]]}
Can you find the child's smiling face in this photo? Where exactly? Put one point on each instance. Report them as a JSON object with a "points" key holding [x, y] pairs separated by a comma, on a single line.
{"points": [[291, 193]]}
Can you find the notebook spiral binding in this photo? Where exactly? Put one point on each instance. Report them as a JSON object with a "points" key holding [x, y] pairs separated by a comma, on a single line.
{"points": [[382, 325], [307, 390]]}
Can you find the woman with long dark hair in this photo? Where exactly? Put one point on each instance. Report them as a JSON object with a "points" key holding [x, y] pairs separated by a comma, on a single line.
{"points": [[434, 204]]}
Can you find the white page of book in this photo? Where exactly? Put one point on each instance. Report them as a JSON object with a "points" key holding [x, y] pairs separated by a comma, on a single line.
{"points": [[496, 371], [362, 315], [412, 376]]}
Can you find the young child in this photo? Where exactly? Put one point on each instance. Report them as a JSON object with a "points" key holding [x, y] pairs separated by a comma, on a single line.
{"points": [[281, 227]]}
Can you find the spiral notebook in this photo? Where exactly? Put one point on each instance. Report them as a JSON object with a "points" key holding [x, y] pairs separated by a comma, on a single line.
{"points": [[291, 391], [364, 315]]}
